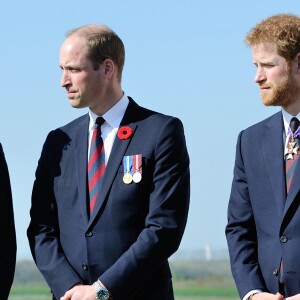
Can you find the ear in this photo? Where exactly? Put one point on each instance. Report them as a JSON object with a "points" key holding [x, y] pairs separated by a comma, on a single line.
{"points": [[109, 68], [297, 58]]}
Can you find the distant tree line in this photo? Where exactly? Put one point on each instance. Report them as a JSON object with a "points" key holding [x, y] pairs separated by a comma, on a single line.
{"points": [[201, 269], [27, 272]]}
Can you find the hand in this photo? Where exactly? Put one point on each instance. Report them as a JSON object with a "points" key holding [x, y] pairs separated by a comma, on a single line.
{"points": [[268, 296], [295, 297], [80, 292]]}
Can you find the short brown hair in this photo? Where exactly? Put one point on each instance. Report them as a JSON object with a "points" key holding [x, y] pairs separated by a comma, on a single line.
{"points": [[283, 30], [102, 43]]}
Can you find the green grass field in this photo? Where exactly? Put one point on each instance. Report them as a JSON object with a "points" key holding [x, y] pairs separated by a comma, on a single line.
{"points": [[30, 291], [184, 290], [192, 280], [205, 290]]}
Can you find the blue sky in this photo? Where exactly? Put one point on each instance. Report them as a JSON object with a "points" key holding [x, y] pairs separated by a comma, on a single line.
{"points": [[183, 58]]}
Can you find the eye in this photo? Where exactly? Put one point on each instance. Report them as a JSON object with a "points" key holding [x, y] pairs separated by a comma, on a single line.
{"points": [[268, 65], [74, 70]]}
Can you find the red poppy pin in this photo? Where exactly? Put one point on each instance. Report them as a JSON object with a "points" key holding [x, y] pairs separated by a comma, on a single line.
{"points": [[124, 133]]}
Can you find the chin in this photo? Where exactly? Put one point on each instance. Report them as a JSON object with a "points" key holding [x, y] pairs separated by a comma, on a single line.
{"points": [[75, 103], [271, 101]]}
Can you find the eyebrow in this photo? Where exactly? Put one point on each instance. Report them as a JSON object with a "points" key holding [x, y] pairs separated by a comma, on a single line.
{"points": [[71, 66]]}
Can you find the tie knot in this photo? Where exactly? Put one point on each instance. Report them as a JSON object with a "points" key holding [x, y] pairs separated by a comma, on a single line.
{"points": [[99, 121], [294, 124]]}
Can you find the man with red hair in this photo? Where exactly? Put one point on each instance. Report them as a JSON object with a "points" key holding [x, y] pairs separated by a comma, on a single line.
{"points": [[263, 230]]}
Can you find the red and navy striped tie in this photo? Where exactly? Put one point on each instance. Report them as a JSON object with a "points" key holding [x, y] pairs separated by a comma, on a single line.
{"points": [[96, 164]]}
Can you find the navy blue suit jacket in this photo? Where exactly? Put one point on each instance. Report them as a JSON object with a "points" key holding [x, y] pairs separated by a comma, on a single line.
{"points": [[133, 229], [8, 246], [263, 222]]}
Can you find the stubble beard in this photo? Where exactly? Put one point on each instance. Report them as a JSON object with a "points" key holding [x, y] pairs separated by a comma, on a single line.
{"points": [[283, 94]]}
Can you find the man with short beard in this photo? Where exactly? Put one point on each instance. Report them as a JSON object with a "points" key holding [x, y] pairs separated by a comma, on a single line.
{"points": [[263, 229]]}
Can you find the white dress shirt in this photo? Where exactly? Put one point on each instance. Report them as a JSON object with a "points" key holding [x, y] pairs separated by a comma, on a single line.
{"points": [[110, 127]]}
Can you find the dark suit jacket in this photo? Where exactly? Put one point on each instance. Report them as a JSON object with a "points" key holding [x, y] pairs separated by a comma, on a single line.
{"points": [[133, 229], [8, 246], [263, 223]]}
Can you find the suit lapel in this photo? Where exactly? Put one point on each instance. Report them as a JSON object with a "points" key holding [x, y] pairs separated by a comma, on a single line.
{"points": [[116, 157], [272, 147], [81, 149]]}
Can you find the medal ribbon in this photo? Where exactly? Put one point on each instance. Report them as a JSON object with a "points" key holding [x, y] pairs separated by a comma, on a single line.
{"points": [[127, 164], [137, 163], [295, 134]]}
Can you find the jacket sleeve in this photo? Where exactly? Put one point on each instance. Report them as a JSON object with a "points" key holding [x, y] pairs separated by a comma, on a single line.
{"points": [[8, 235], [43, 230], [166, 219], [241, 231]]}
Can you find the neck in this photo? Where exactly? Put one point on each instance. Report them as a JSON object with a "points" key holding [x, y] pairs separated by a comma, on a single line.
{"points": [[108, 101], [293, 109]]}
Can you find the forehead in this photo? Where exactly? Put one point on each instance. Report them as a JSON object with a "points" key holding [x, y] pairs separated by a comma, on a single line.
{"points": [[263, 52], [73, 49]]}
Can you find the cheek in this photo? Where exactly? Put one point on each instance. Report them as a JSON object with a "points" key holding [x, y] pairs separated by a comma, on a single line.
{"points": [[82, 83], [276, 76], [95, 87]]}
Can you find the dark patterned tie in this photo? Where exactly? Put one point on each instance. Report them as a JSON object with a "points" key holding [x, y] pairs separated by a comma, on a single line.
{"points": [[293, 155], [96, 164]]}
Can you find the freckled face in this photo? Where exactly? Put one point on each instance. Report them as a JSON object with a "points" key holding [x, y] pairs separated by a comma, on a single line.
{"points": [[85, 86], [276, 79]]}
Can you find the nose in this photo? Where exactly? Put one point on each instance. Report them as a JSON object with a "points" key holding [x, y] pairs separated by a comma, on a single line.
{"points": [[65, 79], [260, 75]]}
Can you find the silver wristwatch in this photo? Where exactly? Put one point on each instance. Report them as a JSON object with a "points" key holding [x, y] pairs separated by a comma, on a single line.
{"points": [[101, 292]]}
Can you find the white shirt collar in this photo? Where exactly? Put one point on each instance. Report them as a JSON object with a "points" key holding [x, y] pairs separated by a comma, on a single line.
{"points": [[114, 116], [287, 119]]}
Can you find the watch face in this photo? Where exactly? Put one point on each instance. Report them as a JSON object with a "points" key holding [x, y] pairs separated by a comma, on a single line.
{"points": [[103, 294]]}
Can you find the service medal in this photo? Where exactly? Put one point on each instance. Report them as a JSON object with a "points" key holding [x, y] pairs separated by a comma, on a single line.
{"points": [[127, 166], [292, 147], [137, 168], [137, 177], [127, 178]]}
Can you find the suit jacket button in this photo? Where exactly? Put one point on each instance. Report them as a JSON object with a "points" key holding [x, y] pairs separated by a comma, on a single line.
{"points": [[89, 234], [283, 239], [275, 272], [85, 267]]}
